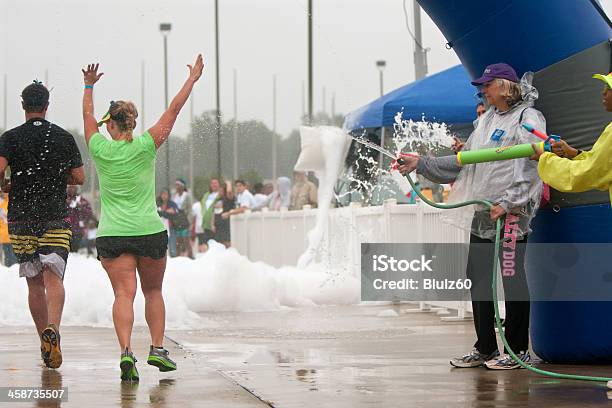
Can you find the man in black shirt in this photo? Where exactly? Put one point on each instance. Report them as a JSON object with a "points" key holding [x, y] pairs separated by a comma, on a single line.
{"points": [[43, 159]]}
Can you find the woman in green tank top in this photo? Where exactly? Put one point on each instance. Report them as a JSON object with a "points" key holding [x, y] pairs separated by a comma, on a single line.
{"points": [[131, 235]]}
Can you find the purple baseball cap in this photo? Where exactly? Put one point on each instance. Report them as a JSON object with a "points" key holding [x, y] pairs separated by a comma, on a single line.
{"points": [[499, 70]]}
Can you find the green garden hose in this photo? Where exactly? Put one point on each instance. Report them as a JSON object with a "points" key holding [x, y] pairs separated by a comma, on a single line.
{"points": [[500, 328]]}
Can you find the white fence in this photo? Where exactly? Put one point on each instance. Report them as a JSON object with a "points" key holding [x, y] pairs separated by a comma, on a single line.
{"points": [[279, 238]]}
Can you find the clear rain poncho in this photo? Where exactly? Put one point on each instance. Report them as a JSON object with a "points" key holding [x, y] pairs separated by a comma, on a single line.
{"points": [[513, 184]]}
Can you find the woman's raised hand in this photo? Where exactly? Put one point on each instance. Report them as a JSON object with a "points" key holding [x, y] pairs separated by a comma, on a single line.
{"points": [[195, 70], [91, 76]]}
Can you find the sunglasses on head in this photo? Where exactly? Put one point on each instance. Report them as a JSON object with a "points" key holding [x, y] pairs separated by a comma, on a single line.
{"points": [[118, 117]]}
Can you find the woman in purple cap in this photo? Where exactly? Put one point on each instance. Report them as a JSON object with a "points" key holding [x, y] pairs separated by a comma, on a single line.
{"points": [[515, 189]]}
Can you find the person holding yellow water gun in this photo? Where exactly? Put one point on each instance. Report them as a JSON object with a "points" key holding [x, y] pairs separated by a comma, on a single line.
{"points": [[567, 169]]}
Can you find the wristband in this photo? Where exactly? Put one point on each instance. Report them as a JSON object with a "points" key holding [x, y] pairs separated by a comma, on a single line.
{"points": [[88, 86]]}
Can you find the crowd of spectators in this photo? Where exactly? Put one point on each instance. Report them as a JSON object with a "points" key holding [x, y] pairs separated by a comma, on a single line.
{"points": [[196, 221]]}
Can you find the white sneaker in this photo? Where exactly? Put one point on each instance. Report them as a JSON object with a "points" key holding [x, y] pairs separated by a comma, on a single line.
{"points": [[506, 362], [473, 359]]}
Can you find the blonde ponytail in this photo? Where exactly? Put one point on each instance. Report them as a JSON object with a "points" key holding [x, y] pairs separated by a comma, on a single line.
{"points": [[124, 114]]}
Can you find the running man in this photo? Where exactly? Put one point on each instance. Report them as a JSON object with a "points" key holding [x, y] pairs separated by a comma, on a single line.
{"points": [[43, 160], [131, 235]]}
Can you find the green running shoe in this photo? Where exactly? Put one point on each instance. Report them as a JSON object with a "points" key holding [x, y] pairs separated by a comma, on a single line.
{"points": [[158, 357], [128, 367]]}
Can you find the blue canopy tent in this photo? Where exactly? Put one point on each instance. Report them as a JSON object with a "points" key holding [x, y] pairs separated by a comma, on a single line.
{"points": [[428, 98]]}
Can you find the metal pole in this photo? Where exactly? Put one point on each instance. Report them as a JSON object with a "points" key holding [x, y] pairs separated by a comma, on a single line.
{"points": [[47, 86], [381, 158], [166, 108], [142, 97], [420, 54], [333, 105], [94, 199], [92, 171], [274, 141], [324, 107], [303, 100], [218, 88], [235, 172], [310, 73], [191, 147], [5, 102]]}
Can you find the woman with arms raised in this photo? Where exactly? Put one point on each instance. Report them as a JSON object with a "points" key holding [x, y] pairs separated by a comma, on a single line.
{"points": [[131, 235]]}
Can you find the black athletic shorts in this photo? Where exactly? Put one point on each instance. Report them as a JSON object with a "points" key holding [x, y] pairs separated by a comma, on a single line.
{"points": [[152, 246]]}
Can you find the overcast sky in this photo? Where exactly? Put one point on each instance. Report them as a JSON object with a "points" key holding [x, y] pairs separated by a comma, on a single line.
{"points": [[258, 38]]}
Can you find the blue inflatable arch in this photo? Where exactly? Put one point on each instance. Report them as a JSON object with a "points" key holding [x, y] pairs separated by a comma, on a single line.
{"points": [[563, 43]]}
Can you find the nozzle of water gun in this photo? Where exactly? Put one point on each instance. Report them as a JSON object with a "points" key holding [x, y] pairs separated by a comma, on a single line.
{"points": [[536, 132], [400, 160], [547, 145]]}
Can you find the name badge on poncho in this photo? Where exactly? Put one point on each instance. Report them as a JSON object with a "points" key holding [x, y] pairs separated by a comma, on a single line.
{"points": [[497, 135]]}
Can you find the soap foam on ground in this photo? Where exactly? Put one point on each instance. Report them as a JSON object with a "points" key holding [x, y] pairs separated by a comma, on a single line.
{"points": [[220, 280]]}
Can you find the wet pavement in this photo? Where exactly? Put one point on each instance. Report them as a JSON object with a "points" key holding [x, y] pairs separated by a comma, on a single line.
{"points": [[90, 373], [383, 356], [349, 356]]}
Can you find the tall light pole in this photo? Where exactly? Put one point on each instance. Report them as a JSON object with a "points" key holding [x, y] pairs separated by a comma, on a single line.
{"points": [[5, 102], [381, 64], [274, 141], [303, 100], [324, 107], [218, 88], [165, 28], [333, 105], [235, 167], [420, 53], [191, 144], [310, 76], [142, 97], [47, 86]]}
